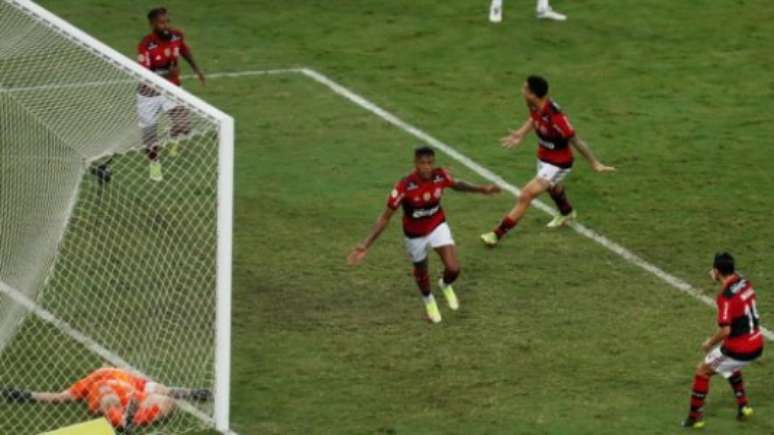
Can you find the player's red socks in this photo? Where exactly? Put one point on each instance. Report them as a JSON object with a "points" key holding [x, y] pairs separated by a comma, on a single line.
{"points": [[506, 225], [423, 280], [560, 199], [450, 275], [738, 386], [699, 393]]}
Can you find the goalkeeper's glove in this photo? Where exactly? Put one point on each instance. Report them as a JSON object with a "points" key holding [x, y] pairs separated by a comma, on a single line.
{"points": [[14, 395], [197, 394]]}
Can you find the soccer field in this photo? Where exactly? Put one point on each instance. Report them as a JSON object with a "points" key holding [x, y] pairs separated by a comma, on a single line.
{"points": [[556, 334]]}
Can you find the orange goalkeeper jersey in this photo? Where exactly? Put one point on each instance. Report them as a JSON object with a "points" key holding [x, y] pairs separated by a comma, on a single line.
{"points": [[105, 381]]}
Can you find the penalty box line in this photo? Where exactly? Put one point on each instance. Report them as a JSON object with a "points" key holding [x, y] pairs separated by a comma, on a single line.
{"points": [[610, 245]]}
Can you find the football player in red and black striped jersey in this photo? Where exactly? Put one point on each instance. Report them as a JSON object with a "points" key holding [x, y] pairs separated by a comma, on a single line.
{"points": [[555, 139], [737, 341], [424, 225], [160, 51]]}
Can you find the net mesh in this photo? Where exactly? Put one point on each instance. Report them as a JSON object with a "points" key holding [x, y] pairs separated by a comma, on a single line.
{"points": [[89, 238]]}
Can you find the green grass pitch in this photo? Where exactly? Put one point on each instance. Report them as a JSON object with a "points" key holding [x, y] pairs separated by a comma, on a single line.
{"points": [[556, 335]]}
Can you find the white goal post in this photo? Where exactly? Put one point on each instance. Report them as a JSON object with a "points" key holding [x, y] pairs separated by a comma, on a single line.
{"points": [[98, 263]]}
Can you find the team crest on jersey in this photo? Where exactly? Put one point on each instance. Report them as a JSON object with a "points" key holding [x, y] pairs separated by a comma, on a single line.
{"points": [[437, 192], [437, 179], [411, 186], [152, 45]]}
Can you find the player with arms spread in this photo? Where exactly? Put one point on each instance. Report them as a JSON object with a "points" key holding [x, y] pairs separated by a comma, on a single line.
{"points": [[555, 159], [160, 52], [424, 225], [125, 399], [736, 343]]}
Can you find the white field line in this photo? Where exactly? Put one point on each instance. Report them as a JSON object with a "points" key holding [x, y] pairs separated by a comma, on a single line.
{"points": [[91, 344], [97, 83], [612, 246]]}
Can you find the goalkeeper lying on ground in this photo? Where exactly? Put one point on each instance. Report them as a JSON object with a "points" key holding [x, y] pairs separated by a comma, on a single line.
{"points": [[124, 398]]}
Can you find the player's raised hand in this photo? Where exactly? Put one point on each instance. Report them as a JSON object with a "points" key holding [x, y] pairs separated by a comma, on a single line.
{"points": [[357, 255], [512, 140], [599, 167], [490, 189]]}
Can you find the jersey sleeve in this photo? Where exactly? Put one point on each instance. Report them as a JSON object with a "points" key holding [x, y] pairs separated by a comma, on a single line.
{"points": [[396, 196], [562, 124], [724, 312]]}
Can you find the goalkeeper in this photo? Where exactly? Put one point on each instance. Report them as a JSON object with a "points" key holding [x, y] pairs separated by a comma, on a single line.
{"points": [[125, 399]]}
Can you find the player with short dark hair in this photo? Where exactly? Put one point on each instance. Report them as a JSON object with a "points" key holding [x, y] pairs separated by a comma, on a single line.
{"points": [[125, 399], [556, 138], [736, 343], [424, 225], [160, 51]]}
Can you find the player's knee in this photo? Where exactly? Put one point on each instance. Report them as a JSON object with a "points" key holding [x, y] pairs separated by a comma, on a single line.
{"points": [[526, 197], [451, 273], [702, 369]]}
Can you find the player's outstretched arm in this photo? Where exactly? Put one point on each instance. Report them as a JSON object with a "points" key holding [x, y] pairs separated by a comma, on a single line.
{"points": [[717, 338], [585, 151], [359, 252], [516, 136], [486, 189], [188, 56], [25, 396]]}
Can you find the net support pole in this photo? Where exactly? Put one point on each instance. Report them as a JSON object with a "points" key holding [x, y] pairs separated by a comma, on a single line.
{"points": [[223, 289]]}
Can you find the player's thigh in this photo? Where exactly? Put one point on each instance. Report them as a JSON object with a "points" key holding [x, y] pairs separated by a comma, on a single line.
{"points": [[551, 175], [535, 188], [148, 110], [442, 241], [417, 248], [722, 364]]}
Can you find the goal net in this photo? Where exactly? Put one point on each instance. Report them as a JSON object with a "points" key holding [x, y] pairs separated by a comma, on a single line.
{"points": [[99, 264]]}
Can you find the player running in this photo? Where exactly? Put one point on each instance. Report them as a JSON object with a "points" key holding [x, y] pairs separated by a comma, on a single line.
{"points": [[543, 10], [160, 51], [737, 341], [555, 136], [424, 225], [125, 399]]}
